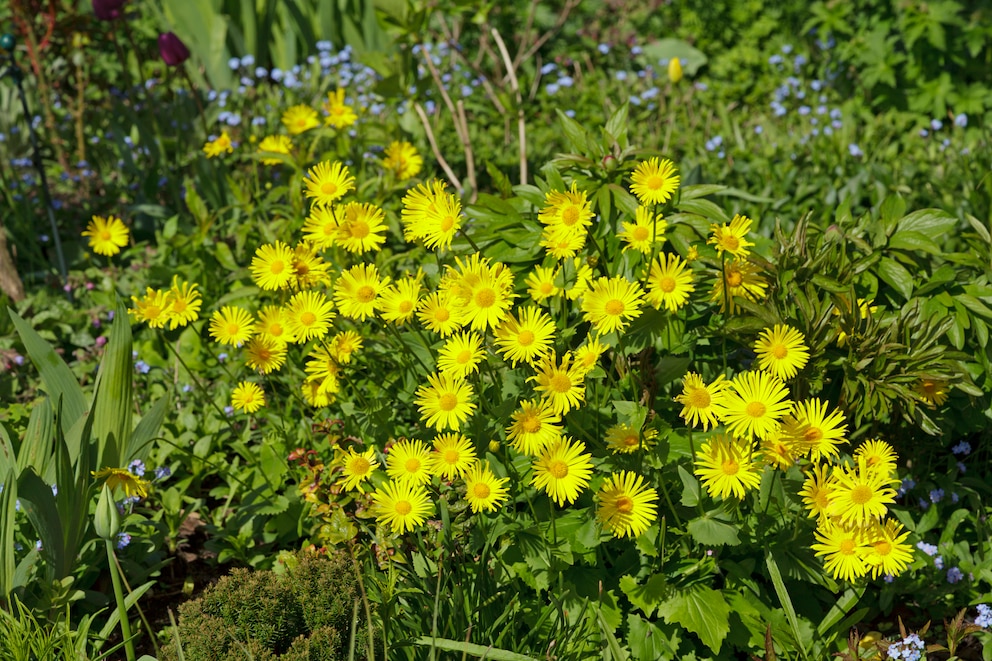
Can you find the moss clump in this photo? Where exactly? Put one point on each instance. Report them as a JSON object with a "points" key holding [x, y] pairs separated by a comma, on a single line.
{"points": [[303, 614]]}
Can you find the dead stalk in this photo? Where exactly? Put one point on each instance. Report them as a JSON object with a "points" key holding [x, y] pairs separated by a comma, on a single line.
{"points": [[455, 181]]}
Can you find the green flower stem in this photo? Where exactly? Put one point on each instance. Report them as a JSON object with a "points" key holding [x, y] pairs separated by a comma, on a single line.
{"points": [[119, 594]]}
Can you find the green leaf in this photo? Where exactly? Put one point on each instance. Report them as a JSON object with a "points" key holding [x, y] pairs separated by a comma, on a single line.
{"points": [[578, 139], [701, 610], [55, 374], [112, 402], [911, 240], [665, 49], [145, 432], [648, 596], [478, 651], [783, 597], [713, 532], [39, 503], [690, 488], [896, 276], [932, 223], [8, 498], [648, 642]]}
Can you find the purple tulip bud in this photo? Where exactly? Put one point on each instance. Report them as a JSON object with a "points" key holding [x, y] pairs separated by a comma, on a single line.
{"points": [[108, 10], [173, 50]]}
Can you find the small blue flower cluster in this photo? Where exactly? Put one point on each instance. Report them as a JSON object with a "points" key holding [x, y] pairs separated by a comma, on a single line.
{"points": [[909, 648]]}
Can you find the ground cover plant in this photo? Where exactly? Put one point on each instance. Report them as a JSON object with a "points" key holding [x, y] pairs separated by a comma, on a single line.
{"points": [[554, 341]]}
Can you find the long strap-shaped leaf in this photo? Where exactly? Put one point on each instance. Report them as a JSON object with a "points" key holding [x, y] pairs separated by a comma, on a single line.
{"points": [[112, 403]]}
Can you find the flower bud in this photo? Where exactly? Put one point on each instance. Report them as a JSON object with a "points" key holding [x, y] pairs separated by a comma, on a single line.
{"points": [[172, 49], [107, 520], [108, 10], [675, 70]]}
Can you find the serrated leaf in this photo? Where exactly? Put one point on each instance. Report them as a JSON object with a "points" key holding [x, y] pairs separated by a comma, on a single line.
{"points": [[647, 642], [645, 596], [701, 610]]}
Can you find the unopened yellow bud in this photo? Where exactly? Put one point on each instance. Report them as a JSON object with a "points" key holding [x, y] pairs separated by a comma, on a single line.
{"points": [[675, 70]]}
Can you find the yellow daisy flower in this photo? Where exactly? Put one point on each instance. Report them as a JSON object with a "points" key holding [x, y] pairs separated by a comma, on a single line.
{"points": [[625, 506], [932, 391], [328, 182], [526, 336], [219, 146], [248, 397], [726, 466], [361, 227], [483, 490], [669, 283], [781, 351], [817, 487], [567, 213], [343, 345], [183, 303], [445, 403], [106, 235], [273, 322], [561, 243], [272, 266], [439, 313], [309, 315], [889, 553], [754, 405], [339, 114], [316, 394], [541, 283], [321, 227], [152, 308], [742, 280], [231, 325], [699, 401], [815, 429], [533, 427], [561, 384], [562, 470], [611, 303], [398, 302], [587, 356], [654, 181], [432, 214], [299, 119], [461, 355], [645, 233], [401, 506], [402, 159], [322, 365], [409, 462], [309, 269], [843, 550], [275, 144], [264, 354], [860, 495], [356, 292], [730, 238], [879, 456], [357, 468], [625, 439], [453, 455], [131, 484]]}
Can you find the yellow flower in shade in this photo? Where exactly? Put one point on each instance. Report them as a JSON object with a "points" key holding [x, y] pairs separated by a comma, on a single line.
{"points": [[526, 336], [727, 466], [699, 401], [730, 238], [440, 313], [578, 284], [541, 283], [106, 235], [409, 462], [339, 115], [398, 302], [219, 146], [879, 456], [654, 181], [645, 233], [445, 403], [265, 354], [453, 455], [402, 159], [864, 311], [309, 315], [272, 266], [889, 553], [357, 468], [816, 491], [321, 227], [587, 356], [815, 429], [276, 144], [328, 182], [309, 269], [742, 280], [231, 325], [561, 243], [461, 355], [343, 345], [932, 391], [361, 227], [781, 351], [625, 506], [860, 495], [843, 549], [131, 484], [567, 213], [625, 439], [299, 119], [483, 490], [152, 308], [432, 214], [401, 506], [778, 451], [669, 283], [754, 405], [563, 385], [248, 397], [357, 291], [675, 70], [273, 322], [562, 470], [184, 303], [611, 303], [322, 365], [692, 254], [533, 427], [315, 394]]}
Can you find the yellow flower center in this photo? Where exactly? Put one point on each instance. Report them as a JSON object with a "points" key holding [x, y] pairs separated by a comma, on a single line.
{"points": [[275, 268], [481, 490], [546, 288], [666, 284], [359, 466], [328, 188], [569, 215], [614, 307], [847, 546], [699, 398], [525, 338], [178, 305], [640, 233], [530, 423], [365, 294], [275, 329], [412, 465], [105, 235], [731, 243], [631, 440], [625, 504], [448, 401], [451, 456], [405, 306], [360, 229], [655, 182], [730, 467], [308, 318], [755, 409], [441, 314], [484, 298], [882, 547], [154, 311], [812, 435], [734, 278], [560, 383], [861, 494], [447, 223], [403, 507], [822, 499], [232, 329], [780, 351], [558, 469], [463, 357], [301, 268]]}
